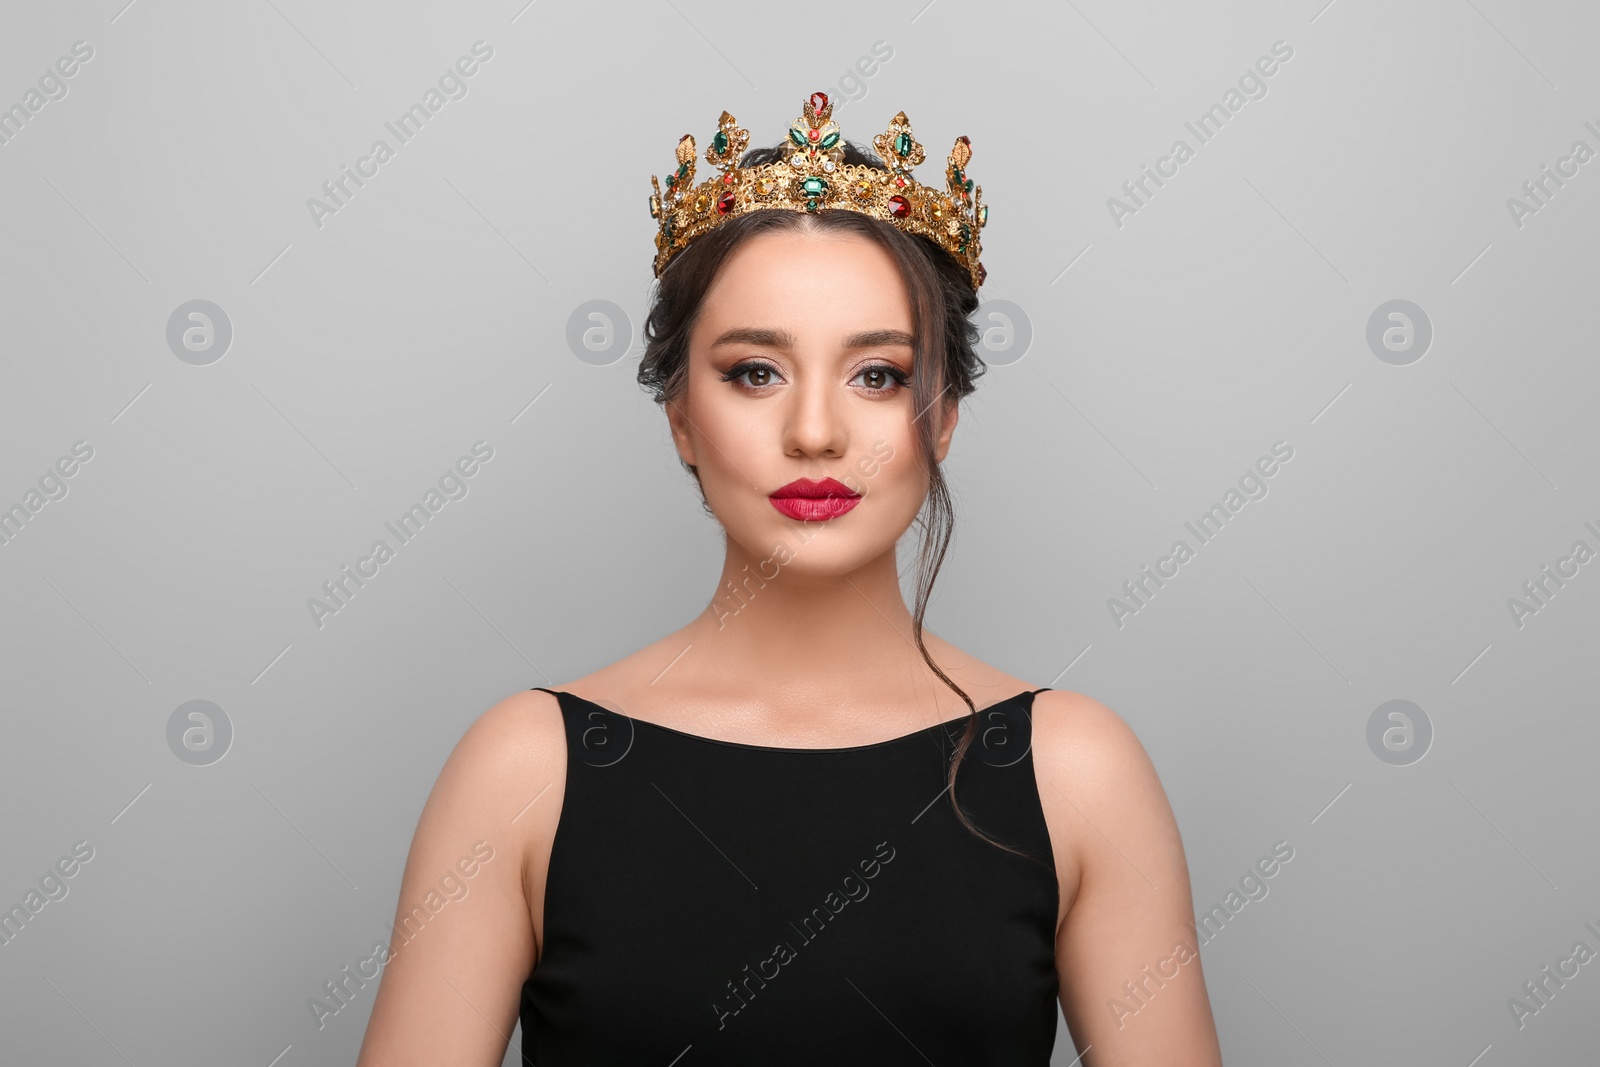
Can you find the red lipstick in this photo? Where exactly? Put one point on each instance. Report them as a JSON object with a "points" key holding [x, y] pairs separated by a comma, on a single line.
{"points": [[810, 500]]}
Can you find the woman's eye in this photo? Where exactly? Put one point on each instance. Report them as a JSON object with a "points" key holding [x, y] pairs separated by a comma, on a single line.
{"points": [[754, 375], [881, 379]]}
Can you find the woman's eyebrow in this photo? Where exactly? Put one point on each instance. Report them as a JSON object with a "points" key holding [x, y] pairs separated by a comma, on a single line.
{"points": [[879, 339], [756, 335], [779, 338]]}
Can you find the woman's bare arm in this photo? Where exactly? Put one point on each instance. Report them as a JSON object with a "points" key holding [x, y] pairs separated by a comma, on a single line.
{"points": [[464, 940], [1132, 989]]}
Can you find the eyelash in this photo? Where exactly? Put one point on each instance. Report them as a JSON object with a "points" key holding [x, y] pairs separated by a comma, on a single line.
{"points": [[900, 377]]}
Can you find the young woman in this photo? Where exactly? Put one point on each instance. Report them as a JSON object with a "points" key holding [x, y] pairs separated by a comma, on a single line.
{"points": [[802, 828]]}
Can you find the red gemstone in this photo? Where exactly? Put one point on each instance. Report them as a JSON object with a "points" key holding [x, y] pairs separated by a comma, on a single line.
{"points": [[725, 202], [983, 272], [899, 207], [813, 134], [901, 182], [727, 179], [818, 102]]}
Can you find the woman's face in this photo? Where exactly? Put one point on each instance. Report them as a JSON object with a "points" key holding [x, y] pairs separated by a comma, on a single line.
{"points": [[813, 332]]}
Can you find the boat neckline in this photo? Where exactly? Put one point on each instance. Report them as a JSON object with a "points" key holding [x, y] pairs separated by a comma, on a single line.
{"points": [[778, 748]]}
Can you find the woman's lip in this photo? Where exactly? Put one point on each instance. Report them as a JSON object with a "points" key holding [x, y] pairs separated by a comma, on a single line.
{"points": [[814, 508], [807, 488]]}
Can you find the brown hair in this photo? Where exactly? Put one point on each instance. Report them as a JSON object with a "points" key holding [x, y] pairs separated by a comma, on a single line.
{"points": [[942, 303]]}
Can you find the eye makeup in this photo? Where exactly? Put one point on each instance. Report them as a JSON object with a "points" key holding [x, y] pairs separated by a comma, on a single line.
{"points": [[899, 377]]}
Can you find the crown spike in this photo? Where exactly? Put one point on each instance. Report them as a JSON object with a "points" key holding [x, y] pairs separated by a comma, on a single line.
{"points": [[727, 144], [961, 154], [899, 150]]}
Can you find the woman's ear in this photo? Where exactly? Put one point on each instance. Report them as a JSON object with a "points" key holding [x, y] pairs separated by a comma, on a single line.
{"points": [[949, 412], [678, 422]]}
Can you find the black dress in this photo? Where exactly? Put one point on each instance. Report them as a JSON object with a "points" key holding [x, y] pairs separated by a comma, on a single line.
{"points": [[711, 902]]}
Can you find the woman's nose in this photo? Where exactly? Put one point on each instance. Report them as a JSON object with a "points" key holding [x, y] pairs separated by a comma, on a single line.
{"points": [[816, 419]]}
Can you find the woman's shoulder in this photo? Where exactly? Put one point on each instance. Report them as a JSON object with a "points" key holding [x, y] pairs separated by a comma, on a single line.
{"points": [[1099, 788], [1079, 716], [1086, 748], [521, 727], [506, 776], [517, 743]]}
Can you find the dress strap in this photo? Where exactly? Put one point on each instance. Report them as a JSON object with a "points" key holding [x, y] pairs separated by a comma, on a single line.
{"points": [[597, 736]]}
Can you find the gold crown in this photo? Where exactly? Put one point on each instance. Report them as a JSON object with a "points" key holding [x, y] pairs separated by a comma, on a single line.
{"points": [[812, 176]]}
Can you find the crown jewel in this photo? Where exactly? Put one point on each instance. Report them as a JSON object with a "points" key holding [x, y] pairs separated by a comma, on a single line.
{"points": [[812, 176]]}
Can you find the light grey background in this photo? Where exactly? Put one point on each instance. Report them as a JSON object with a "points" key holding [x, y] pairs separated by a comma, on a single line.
{"points": [[1229, 312]]}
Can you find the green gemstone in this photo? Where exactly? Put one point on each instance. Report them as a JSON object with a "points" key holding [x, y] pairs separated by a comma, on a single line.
{"points": [[719, 142], [811, 205], [797, 137], [902, 144], [683, 169], [967, 185], [814, 187], [831, 140], [983, 215]]}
